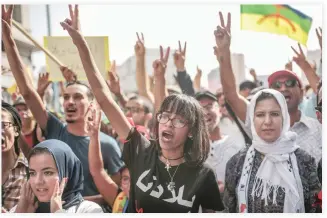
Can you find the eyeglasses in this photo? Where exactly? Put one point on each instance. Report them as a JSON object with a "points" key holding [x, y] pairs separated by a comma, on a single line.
{"points": [[6, 125], [134, 109], [177, 122], [288, 83]]}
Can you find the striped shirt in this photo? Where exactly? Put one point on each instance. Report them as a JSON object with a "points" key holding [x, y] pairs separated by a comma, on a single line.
{"points": [[11, 188]]}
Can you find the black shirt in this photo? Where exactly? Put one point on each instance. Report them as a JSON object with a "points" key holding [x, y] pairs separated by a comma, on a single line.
{"points": [[195, 187]]}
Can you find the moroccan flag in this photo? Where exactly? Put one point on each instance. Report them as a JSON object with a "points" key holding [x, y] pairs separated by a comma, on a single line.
{"points": [[278, 19]]}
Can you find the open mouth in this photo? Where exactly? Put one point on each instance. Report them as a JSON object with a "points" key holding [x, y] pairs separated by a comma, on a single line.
{"points": [[71, 110], [42, 191], [287, 97], [167, 135]]}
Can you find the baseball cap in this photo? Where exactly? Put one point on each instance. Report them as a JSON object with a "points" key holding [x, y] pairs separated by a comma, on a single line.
{"points": [[279, 73], [207, 94]]}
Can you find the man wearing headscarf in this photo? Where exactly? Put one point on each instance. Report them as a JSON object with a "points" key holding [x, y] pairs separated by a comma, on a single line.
{"points": [[14, 164]]}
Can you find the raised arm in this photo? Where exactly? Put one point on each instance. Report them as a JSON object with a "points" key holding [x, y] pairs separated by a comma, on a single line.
{"points": [[114, 85], [183, 78], [159, 69], [96, 81], [23, 80], [106, 186], [197, 79], [305, 66], [42, 84], [222, 52], [142, 78]]}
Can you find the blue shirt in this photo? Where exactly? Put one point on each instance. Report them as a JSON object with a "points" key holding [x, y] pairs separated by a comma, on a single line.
{"points": [[111, 152]]}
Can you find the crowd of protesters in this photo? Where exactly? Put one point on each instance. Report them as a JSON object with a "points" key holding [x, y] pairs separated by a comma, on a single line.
{"points": [[246, 149]]}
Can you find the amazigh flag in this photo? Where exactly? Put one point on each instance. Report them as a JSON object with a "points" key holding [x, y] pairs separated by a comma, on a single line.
{"points": [[278, 19]]}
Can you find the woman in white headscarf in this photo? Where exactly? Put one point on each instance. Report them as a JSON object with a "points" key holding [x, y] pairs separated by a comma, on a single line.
{"points": [[273, 175]]}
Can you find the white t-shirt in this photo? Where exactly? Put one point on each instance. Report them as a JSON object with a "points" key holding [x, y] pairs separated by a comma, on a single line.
{"points": [[220, 153], [229, 127]]}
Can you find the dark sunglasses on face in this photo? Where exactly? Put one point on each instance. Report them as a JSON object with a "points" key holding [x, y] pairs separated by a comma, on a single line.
{"points": [[288, 83]]}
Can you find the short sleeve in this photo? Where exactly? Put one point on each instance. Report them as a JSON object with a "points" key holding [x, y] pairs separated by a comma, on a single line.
{"points": [[54, 127], [210, 198], [135, 144], [111, 155]]}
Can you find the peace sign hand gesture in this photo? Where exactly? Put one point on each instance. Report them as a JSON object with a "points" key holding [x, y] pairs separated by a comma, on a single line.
{"points": [[56, 201], [6, 20], [93, 120], [179, 58], [160, 65], [113, 79], [300, 58], [139, 47], [222, 35], [72, 25]]}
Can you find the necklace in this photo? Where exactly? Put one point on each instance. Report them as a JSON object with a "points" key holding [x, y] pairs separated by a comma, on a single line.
{"points": [[171, 184], [168, 165]]}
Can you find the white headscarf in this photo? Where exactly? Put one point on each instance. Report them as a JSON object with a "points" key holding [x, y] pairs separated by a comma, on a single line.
{"points": [[279, 166]]}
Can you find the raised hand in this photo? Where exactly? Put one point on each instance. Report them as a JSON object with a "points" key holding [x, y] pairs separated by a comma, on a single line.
{"points": [[179, 57], [68, 74], [56, 198], [160, 65], [139, 47], [222, 35], [197, 79], [300, 58], [26, 202], [319, 36], [6, 17], [289, 66], [93, 120], [113, 79], [43, 83], [72, 25]]}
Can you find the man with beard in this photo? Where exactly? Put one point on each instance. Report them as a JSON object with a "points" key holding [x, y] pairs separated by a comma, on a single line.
{"points": [[77, 98], [222, 147], [14, 163]]}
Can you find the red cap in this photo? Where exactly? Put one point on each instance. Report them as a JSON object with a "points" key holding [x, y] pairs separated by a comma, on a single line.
{"points": [[279, 73]]}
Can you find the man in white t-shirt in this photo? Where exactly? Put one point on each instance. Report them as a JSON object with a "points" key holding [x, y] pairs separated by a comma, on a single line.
{"points": [[222, 147]]}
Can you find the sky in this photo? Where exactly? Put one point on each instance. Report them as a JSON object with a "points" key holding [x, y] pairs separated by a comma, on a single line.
{"points": [[165, 24]]}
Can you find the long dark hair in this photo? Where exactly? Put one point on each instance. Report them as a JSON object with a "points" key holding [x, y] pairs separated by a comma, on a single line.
{"points": [[196, 149]]}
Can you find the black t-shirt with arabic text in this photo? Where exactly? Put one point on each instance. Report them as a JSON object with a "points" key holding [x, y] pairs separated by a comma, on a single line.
{"points": [[196, 188]]}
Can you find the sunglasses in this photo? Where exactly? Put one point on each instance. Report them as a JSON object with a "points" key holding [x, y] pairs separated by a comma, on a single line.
{"points": [[288, 83]]}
